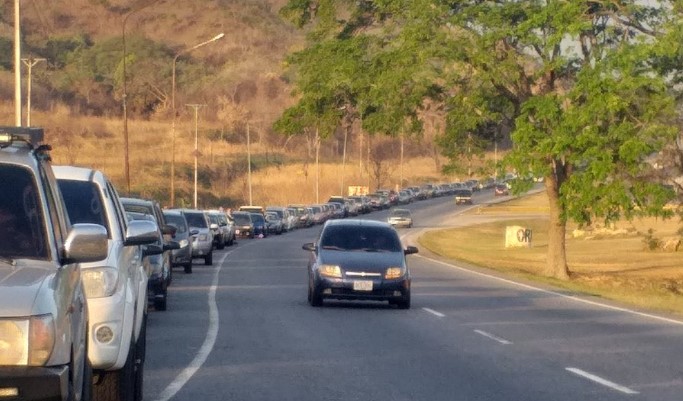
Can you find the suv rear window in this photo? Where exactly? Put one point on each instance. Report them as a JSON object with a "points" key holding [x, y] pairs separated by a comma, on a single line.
{"points": [[22, 225], [197, 220], [83, 202]]}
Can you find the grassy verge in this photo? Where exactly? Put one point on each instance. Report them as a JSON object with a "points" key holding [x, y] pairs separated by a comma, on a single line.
{"points": [[613, 263]]}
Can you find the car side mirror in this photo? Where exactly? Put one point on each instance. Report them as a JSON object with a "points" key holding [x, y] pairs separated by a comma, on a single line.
{"points": [[152, 249], [310, 246], [410, 250], [214, 226], [194, 231]]}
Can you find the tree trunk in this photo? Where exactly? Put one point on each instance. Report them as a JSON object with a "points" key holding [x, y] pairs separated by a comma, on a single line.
{"points": [[556, 263]]}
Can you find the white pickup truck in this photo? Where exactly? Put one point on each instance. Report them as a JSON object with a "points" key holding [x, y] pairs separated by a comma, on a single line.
{"points": [[116, 287]]}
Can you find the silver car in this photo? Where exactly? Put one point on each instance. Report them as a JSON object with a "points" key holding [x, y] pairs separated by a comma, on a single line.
{"points": [[43, 307], [202, 247], [185, 238]]}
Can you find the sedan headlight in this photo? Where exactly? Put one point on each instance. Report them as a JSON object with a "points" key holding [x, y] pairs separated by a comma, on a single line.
{"points": [[393, 273], [203, 237], [330, 271], [27, 341], [100, 282], [183, 243]]}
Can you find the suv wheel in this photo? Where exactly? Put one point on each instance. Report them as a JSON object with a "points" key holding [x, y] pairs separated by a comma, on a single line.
{"points": [[208, 259], [188, 267], [116, 385]]}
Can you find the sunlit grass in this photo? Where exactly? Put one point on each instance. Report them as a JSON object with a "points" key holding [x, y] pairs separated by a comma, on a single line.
{"points": [[618, 267]]}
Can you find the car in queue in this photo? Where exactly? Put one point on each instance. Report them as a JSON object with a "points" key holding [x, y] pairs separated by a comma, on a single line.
{"points": [[400, 218], [184, 236], [116, 286], [463, 196], [354, 259], [244, 224], [202, 246], [274, 223], [43, 307], [260, 226], [223, 233], [157, 262]]}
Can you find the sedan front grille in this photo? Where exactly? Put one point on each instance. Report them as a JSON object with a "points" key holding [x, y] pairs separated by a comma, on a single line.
{"points": [[363, 274]]}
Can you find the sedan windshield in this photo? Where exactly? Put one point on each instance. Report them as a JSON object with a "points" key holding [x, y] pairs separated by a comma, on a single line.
{"points": [[196, 220], [355, 238]]}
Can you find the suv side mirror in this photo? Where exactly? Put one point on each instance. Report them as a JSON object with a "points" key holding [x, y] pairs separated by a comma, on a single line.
{"points": [[152, 249]]}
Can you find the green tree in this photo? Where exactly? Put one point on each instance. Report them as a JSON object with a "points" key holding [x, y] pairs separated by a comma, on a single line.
{"points": [[580, 86]]}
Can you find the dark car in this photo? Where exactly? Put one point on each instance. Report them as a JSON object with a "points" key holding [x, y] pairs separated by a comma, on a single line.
{"points": [[184, 236], [260, 226], [358, 259], [274, 222], [501, 190], [463, 196], [157, 262], [244, 226]]}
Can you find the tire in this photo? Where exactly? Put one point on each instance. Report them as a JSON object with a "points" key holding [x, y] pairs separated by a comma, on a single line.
{"points": [[315, 298], [140, 354], [404, 303], [160, 302], [188, 268], [220, 245], [208, 259], [116, 385]]}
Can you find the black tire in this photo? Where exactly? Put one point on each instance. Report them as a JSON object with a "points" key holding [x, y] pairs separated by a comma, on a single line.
{"points": [[160, 302], [208, 259], [188, 268], [140, 354], [404, 303], [220, 245], [116, 385], [315, 298]]}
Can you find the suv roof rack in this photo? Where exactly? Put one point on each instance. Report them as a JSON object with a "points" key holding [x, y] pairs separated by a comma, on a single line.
{"points": [[31, 135]]}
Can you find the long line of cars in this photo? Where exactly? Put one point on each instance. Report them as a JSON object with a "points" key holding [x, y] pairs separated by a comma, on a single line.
{"points": [[80, 266]]}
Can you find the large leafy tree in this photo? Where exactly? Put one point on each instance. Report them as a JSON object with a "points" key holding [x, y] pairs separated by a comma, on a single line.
{"points": [[584, 88]]}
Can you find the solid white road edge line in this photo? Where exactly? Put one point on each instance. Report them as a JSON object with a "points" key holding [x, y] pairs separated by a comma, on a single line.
{"points": [[572, 297], [602, 381], [212, 333], [493, 337], [433, 312]]}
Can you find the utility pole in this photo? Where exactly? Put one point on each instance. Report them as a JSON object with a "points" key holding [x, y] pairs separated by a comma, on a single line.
{"points": [[17, 65], [29, 62], [249, 165], [317, 165], [196, 147]]}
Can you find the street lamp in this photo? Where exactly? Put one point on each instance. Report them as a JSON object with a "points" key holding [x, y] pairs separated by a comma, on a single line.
{"points": [[196, 147], [17, 65], [175, 59]]}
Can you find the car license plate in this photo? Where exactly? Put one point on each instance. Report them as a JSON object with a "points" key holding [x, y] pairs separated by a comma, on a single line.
{"points": [[362, 285]]}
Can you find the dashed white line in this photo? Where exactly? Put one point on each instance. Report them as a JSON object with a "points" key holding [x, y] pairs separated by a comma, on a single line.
{"points": [[600, 380], [493, 337], [433, 312]]}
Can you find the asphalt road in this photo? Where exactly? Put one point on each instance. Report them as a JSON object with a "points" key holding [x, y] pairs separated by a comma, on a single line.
{"points": [[243, 330]]}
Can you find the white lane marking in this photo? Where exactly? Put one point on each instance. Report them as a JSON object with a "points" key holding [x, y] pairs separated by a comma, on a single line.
{"points": [[493, 337], [209, 341], [433, 312], [572, 297], [602, 381]]}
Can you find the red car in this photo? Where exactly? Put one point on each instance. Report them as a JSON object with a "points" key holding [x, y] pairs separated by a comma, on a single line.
{"points": [[501, 190]]}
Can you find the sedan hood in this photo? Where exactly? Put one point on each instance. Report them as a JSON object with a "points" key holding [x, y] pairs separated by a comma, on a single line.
{"points": [[376, 262], [20, 285]]}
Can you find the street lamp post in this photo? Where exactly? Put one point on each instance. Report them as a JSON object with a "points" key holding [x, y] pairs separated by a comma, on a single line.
{"points": [[251, 200], [17, 64], [29, 62], [175, 60], [196, 147]]}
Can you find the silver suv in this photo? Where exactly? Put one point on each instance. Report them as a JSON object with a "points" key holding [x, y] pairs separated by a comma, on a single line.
{"points": [[116, 285], [43, 308]]}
